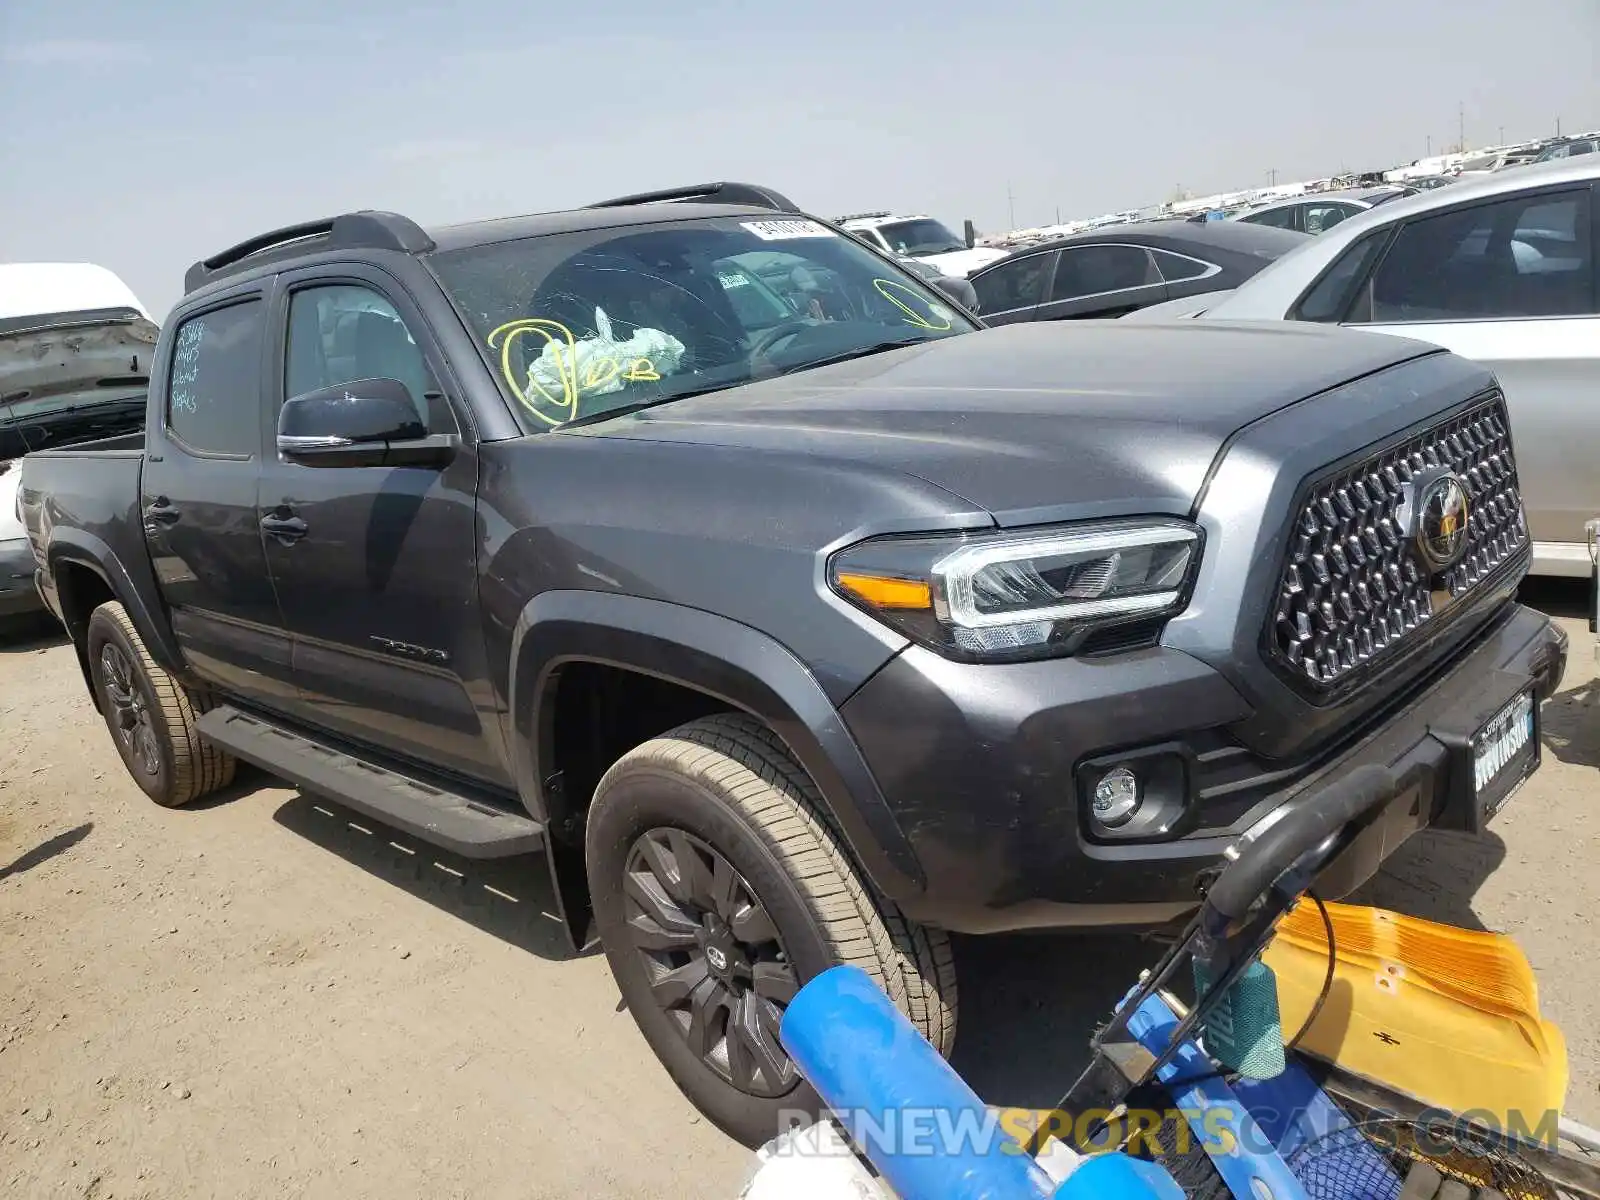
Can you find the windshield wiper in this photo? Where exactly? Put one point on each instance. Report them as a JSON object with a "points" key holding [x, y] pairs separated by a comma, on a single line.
{"points": [[858, 352], [69, 412], [640, 406]]}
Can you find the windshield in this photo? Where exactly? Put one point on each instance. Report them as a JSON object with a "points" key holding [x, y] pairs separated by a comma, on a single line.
{"points": [[34, 408], [920, 237], [29, 423], [577, 326]]}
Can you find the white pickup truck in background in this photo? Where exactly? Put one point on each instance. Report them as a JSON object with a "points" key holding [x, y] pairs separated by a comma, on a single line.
{"points": [[924, 238], [74, 356]]}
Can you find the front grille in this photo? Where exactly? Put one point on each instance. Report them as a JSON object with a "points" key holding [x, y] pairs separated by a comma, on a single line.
{"points": [[1355, 585]]}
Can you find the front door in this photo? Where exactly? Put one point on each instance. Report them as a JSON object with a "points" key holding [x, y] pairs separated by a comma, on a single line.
{"points": [[376, 567], [198, 502], [1012, 290]]}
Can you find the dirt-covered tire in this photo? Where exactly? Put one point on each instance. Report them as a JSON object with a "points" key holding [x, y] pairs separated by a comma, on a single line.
{"points": [[151, 715], [698, 844]]}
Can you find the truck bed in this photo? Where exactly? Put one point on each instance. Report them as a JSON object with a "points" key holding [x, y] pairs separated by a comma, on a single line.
{"points": [[92, 493], [120, 443]]}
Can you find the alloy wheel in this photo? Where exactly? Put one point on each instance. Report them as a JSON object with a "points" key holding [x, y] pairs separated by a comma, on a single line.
{"points": [[716, 965], [130, 715]]}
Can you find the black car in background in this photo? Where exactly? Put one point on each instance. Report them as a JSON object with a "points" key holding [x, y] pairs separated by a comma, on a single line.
{"points": [[1113, 271]]}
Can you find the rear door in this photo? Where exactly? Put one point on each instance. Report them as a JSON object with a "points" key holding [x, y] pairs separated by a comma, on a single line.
{"points": [[1512, 283], [1103, 279], [198, 501], [376, 567], [1013, 290]]}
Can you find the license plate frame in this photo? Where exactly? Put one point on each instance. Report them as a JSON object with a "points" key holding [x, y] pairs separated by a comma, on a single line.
{"points": [[1503, 754]]}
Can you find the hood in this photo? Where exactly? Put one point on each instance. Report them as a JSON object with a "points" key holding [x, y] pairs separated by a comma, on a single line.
{"points": [[47, 355], [1037, 421], [963, 262], [57, 370]]}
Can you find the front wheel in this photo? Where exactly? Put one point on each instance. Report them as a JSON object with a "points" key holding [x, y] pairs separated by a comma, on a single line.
{"points": [[719, 889], [151, 715]]}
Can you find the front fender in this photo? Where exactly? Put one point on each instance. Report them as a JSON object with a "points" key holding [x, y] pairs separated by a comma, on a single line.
{"points": [[733, 662]]}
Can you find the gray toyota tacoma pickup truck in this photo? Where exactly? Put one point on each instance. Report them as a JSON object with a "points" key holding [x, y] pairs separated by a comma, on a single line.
{"points": [[795, 623]]}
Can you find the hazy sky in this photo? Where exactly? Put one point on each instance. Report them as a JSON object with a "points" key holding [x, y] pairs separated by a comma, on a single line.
{"points": [[145, 135]]}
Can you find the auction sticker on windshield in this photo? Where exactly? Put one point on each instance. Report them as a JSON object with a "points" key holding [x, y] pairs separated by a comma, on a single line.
{"points": [[783, 231]]}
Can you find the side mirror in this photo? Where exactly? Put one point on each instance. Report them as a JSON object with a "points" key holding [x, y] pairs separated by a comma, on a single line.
{"points": [[363, 423], [971, 231], [957, 289]]}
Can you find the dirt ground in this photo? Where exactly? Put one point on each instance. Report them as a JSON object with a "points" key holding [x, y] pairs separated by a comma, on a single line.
{"points": [[265, 996]]}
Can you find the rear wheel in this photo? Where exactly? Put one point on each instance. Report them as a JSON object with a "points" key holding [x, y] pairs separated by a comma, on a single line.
{"points": [[151, 715], [719, 888]]}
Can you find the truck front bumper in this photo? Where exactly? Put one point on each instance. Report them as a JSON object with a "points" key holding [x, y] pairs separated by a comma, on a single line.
{"points": [[18, 595], [988, 770]]}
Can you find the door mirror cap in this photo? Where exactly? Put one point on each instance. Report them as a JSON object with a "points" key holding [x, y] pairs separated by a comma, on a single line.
{"points": [[959, 290], [363, 423]]}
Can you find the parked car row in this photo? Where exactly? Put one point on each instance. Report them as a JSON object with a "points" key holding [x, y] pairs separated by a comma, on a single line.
{"points": [[75, 346], [1112, 271], [1500, 269], [1319, 212]]}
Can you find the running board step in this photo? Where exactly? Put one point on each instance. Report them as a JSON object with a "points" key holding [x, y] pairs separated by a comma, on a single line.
{"points": [[471, 828]]}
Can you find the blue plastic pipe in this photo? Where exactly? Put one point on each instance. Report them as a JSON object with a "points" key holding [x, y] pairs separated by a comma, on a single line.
{"points": [[1119, 1177], [904, 1107]]}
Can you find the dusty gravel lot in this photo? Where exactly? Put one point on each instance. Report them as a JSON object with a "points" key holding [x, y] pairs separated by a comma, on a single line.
{"points": [[255, 997]]}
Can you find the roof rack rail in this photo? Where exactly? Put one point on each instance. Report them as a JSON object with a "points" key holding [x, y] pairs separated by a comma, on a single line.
{"points": [[862, 216], [747, 194], [367, 229]]}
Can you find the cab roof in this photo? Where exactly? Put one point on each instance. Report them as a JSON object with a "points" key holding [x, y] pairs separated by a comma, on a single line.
{"points": [[375, 230]]}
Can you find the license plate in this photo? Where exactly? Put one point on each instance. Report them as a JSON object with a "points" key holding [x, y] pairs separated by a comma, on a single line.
{"points": [[1504, 753]]}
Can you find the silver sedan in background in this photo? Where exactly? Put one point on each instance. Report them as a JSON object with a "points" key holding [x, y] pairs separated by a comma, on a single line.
{"points": [[1318, 212], [1500, 269]]}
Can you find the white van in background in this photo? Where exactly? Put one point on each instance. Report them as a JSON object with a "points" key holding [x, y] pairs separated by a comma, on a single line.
{"points": [[75, 346]]}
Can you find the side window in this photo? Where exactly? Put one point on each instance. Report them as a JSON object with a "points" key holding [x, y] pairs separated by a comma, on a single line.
{"points": [[342, 332], [1322, 217], [1175, 268], [1329, 298], [214, 384], [1017, 284], [1528, 256], [1278, 218], [1090, 270]]}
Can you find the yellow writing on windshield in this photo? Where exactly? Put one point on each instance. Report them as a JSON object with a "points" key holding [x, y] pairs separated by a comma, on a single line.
{"points": [[928, 318], [598, 372], [575, 373]]}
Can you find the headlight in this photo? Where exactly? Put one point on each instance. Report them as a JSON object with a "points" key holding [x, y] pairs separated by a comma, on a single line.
{"points": [[1022, 595]]}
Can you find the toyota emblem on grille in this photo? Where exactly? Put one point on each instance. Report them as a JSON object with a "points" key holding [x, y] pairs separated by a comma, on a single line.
{"points": [[1437, 511]]}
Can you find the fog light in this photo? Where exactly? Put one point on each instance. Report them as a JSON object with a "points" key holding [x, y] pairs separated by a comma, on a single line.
{"points": [[1116, 797]]}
